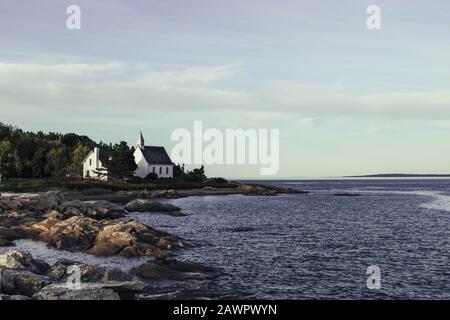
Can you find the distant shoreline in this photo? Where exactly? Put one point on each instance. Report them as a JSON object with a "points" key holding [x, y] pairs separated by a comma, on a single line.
{"points": [[400, 175]]}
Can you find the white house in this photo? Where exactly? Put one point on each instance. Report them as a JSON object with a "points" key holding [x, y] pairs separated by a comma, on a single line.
{"points": [[93, 167], [152, 159], [148, 159]]}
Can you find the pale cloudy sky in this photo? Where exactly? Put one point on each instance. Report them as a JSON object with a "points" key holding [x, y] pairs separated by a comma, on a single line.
{"points": [[346, 100]]}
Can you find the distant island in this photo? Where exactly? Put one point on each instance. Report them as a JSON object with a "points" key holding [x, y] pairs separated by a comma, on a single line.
{"points": [[400, 175]]}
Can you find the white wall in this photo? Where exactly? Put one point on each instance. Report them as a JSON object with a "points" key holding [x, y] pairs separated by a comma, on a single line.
{"points": [[92, 164], [144, 168]]}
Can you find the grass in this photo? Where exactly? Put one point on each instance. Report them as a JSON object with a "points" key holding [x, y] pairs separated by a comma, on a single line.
{"points": [[96, 187]]}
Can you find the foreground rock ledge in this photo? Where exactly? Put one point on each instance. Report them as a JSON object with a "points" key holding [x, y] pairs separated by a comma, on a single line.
{"points": [[18, 280], [104, 237]]}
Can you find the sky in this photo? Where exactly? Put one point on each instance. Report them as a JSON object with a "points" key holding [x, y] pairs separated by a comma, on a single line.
{"points": [[347, 100]]}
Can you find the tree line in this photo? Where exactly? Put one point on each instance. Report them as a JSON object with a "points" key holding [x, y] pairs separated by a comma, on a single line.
{"points": [[45, 155], [40, 155]]}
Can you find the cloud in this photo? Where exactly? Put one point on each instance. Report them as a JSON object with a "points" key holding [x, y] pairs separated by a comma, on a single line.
{"points": [[109, 89]]}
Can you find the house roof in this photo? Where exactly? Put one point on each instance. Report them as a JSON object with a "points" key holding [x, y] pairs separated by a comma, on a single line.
{"points": [[156, 155], [103, 155]]}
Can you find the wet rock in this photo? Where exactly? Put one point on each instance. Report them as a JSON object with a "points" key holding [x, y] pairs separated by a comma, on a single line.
{"points": [[256, 190], [171, 270], [88, 273], [127, 290], [117, 275], [10, 203], [43, 202], [20, 282], [262, 190], [6, 297], [93, 209], [7, 235], [32, 202], [105, 237], [132, 239], [60, 271], [20, 260], [87, 291], [75, 233], [5, 243], [142, 205]]}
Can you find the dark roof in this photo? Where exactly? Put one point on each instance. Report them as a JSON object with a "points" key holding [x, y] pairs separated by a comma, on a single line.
{"points": [[156, 155], [103, 155]]}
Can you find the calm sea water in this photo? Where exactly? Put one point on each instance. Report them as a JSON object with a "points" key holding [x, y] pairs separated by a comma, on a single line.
{"points": [[318, 245]]}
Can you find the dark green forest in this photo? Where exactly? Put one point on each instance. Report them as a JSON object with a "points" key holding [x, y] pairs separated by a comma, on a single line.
{"points": [[41, 155], [54, 155]]}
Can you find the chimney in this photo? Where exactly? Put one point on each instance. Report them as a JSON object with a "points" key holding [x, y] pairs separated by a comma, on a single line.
{"points": [[96, 155]]}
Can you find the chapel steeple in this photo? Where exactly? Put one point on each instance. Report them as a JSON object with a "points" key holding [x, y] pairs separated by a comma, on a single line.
{"points": [[140, 141]]}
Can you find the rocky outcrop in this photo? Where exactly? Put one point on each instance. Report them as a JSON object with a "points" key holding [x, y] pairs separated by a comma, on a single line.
{"points": [[7, 235], [105, 237], [73, 234], [98, 210], [166, 194], [257, 190], [20, 274], [19, 279], [19, 260], [142, 205], [172, 270], [262, 190], [87, 291], [133, 239], [54, 203], [5, 297], [20, 282], [32, 202]]}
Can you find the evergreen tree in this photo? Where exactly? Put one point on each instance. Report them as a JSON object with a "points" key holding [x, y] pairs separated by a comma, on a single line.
{"points": [[78, 156], [7, 159], [120, 163], [38, 163], [57, 161]]}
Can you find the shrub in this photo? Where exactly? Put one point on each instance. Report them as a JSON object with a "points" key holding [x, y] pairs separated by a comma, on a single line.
{"points": [[151, 176]]}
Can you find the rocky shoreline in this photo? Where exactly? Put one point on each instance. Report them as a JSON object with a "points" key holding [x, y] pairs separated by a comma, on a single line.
{"points": [[242, 189], [94, 227]]}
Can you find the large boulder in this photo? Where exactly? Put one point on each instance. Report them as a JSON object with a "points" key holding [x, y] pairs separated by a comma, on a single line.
{"points": [[40, 202], [88, 273], [87, 291], [93, 209], [7, 235], [105, 237], [73, 234], [44, 202], [133, 239], [60, 271], [171, 270], [255, 190], [142, 205], [21, 282], [20, 260]]}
